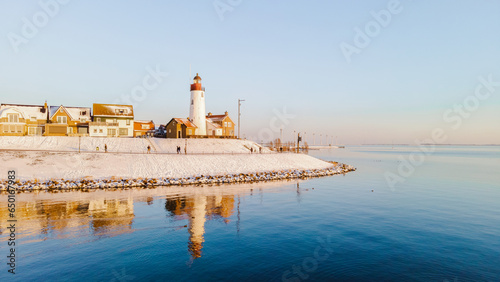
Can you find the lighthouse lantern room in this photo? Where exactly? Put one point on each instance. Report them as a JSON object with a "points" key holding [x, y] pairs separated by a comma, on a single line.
{"points": [[197, 108]]}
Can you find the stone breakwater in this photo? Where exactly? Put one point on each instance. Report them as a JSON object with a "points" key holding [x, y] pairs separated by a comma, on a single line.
{"points": [[115, 182]]}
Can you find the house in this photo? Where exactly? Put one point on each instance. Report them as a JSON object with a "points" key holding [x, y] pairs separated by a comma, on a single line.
{"points": [[213, 129], [68, 121], [20, 120], [111, 120], [143, 127], [161, 131], [180, 128], [225, 123]]}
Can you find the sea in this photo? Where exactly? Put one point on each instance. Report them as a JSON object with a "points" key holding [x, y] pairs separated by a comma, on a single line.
{"points": [[408, 213]]}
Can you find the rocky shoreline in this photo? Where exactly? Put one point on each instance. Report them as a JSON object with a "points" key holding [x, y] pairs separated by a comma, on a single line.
{"points": [[115, 182]]}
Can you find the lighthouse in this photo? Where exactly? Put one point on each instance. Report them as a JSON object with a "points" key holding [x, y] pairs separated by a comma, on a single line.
{"points": [[197, 109]]}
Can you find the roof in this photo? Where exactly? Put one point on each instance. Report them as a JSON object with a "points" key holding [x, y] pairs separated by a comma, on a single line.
{"points": [[197, 77], [113, 110], [216, 118], [184, 121], [212, 124], [28, 111], [74, 113], [7, 110], [143, 121]]}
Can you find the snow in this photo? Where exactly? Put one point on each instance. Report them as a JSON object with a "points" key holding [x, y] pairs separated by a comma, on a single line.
{"points": [[27, 111], [127, 145], [75, 113], [126, 158]]}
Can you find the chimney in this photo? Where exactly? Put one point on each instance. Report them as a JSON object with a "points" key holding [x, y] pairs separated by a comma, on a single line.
{"points": [[209, 114], [46, 110], [225, 113]]}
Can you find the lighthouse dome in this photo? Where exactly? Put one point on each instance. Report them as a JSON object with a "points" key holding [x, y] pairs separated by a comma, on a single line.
{"points": [[197, 78]]}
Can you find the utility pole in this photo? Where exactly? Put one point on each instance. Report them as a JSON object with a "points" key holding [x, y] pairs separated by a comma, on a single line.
{"points": [[79, 137], [239, 115], [298, 142]]}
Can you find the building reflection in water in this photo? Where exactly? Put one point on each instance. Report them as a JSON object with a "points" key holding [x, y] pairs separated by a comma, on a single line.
{"points": [[111, 217], [56, 217], [197, 209], [43, 219]]}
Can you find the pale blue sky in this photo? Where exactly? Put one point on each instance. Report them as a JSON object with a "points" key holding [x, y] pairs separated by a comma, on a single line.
{"points": [[273, 54]]}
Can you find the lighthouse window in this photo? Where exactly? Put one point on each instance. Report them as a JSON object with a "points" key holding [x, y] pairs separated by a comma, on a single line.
{"points": [[201, 94]]}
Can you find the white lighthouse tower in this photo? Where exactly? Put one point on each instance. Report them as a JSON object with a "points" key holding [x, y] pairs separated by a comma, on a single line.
{"points": [[197, 109]]}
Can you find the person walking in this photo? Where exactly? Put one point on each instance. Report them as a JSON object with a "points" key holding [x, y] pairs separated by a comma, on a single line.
{"points": [[105, 148], [149, 149], [178, 149], [260, 150]]}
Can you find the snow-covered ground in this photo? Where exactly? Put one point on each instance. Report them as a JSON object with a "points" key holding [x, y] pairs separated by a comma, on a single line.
{"points": [[126, 158], [129, 145]]}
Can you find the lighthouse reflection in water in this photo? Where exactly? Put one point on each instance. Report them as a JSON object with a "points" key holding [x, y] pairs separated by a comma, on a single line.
{"points": [[197, 210], [79, 217]]}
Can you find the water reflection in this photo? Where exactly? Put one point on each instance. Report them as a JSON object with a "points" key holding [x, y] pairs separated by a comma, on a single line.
{"points": [[101, 214], [44, 219], [197, 209]]}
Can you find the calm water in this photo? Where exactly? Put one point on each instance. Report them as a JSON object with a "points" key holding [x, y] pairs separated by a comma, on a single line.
{"points": [[441, 224]]}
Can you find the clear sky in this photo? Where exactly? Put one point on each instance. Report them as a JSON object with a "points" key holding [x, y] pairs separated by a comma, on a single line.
{"points": [[280, 56]]}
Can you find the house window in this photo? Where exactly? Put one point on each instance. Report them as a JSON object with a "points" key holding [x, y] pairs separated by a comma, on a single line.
{"points": [[189, 131], [83, 113], [33, 118], [128, 122], [225, 124], [34, 131], [98, 120], [111, 132], [123, 131], [62, 119], [70, 130], [12, 128], [83, 119], [100, 130], [13, 117], [95, 130], [169, 131], [120, 111]]}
